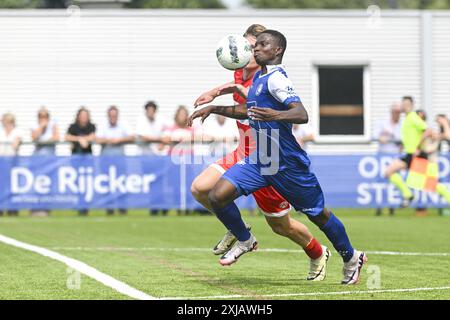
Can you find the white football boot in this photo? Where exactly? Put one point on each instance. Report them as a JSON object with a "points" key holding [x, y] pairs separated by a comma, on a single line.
{"points": [[227, 242], [239, 248], [352, 269], [318, 267]]}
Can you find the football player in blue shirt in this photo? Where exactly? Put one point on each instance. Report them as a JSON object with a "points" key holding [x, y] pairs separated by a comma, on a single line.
{"points": [[272, 107]]}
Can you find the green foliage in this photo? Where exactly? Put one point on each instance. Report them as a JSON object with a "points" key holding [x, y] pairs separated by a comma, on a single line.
{"points": [[174, 4], [19, 4], [350, 4]]}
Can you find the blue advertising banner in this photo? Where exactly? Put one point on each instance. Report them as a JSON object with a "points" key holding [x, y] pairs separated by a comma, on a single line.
{"points": [[50, 182], [357, 181]]}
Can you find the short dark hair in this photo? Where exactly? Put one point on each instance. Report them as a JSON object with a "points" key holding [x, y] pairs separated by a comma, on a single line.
{"points": [[411, 99], [281, 39], [151, 104]]}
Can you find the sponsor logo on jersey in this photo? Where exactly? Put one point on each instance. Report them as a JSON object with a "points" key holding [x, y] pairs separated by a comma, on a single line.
{"points": [[259, 89], [290, 91]]}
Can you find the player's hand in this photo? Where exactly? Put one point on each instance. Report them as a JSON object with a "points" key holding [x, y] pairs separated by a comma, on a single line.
{"points": [[202, 113], [263, 114], [205, 98], [232, 88]]}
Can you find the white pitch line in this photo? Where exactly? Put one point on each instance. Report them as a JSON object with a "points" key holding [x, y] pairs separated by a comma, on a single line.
{"points": [[82, 268], [275, 250], [303, 294]]}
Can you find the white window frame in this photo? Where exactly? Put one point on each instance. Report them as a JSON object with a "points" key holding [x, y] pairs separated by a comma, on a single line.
{"points": [[366, 103]]}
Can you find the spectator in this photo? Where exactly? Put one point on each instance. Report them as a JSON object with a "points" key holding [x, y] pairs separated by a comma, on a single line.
{"points": [[45, 133], [444, 127], [223, 132], [388, 134], [150, 131], [181, 133], [10, 139], [81, 133], [429, 147], [113, 135], [304, 134]]}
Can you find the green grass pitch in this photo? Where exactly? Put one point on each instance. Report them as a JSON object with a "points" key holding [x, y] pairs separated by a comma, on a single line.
{"points": [[170, 257]]}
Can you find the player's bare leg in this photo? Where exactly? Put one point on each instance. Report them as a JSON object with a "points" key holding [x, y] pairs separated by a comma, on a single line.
{"points": [[297, 232], [200, 188], [203, 184], [221, 198], [396, 179], [290, 228]]}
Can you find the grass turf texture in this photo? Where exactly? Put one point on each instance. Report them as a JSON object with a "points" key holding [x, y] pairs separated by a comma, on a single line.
{"points": [[128, 249]]}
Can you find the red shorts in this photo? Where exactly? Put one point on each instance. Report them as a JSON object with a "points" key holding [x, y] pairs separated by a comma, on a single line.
{"points": [[271, 203]]}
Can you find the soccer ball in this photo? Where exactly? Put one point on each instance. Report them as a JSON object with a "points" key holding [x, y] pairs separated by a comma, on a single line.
{"points": [[234, 52]]}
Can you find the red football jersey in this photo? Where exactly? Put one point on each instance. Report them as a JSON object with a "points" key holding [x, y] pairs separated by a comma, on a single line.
{"points": [[246, 141]]}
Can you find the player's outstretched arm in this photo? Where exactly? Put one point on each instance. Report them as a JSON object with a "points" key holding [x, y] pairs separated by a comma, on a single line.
{"points": [[235, 112], [224, 89], [295, 114], [210, 95], [232, 88]]}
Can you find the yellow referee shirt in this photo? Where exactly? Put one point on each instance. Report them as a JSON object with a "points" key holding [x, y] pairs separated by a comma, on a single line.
{"points": [[412, 130]]}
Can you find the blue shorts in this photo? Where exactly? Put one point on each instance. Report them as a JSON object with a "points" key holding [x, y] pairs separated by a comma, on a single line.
{"points": [[299, 187]]}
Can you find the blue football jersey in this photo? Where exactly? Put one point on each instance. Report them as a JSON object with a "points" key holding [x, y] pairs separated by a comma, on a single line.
{"points": [[275, 140]]}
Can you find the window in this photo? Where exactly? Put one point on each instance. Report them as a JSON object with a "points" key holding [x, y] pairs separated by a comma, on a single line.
{"points": [[342, 108]]}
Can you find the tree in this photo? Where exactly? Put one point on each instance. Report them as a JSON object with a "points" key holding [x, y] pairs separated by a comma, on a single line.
{"points": [[18, 4], [350, 4], [173, 4]]}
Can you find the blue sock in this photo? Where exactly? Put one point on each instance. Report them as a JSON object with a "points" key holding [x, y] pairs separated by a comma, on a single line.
{"points": [[231, 218], [335, 232]]}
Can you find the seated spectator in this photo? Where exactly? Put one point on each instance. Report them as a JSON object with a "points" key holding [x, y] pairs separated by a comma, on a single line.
{"points": [[45, 134], [81, 133], [10, 139], [113, 135], [150, 131]]}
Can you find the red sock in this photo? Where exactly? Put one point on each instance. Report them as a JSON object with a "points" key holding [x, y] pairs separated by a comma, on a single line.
{"points": [[313, 249]]}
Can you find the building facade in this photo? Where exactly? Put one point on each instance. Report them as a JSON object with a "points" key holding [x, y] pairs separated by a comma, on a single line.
{"points": [[348, 66]]}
